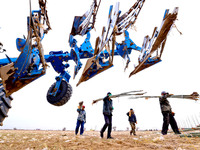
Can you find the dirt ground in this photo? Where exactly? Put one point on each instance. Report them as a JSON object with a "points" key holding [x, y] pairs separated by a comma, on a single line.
{"points": [[61, 140]]}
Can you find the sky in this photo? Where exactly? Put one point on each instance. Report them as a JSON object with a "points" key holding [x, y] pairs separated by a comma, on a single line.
{"points": [[178, 72]]}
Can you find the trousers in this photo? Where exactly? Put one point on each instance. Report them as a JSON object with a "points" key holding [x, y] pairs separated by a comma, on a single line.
{"points": [[108, 123], [132, 127], [168, 118], [78, 124]]}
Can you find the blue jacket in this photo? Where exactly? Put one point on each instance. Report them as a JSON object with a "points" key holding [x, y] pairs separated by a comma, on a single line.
{"points": [[107, 106], [131, 118], [81, 115]]}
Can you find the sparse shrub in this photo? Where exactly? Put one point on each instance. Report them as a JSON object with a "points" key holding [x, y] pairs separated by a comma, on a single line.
{"points": [[64, 129]]}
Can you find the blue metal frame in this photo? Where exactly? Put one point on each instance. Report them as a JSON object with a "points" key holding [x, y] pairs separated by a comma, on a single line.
{"points": [[27, 65]]}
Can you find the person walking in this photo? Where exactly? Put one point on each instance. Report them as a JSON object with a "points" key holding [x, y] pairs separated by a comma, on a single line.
{"points": [[132, 120], [81, 120], [107, 112], [168, 115]]}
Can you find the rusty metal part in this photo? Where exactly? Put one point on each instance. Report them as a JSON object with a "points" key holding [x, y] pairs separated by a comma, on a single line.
{"points": [[160, 40], [96, 64]]}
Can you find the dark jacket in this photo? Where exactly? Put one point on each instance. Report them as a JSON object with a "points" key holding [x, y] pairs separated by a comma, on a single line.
{"points": [[131, 118], [107, 106], [164, 104]]}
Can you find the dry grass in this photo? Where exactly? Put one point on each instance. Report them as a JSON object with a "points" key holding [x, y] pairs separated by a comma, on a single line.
{"points": [[61, 140]]}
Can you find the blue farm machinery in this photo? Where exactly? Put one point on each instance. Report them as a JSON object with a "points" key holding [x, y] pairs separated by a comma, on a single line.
{"points": [[32, 63]]}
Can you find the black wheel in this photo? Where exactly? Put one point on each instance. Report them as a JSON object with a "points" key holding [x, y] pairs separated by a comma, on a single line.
{"points": [[5, 104], [63, 95]]}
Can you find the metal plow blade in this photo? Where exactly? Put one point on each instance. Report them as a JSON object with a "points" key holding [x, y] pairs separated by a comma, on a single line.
{"points": [[82, 24], [155, 43], [10, 73], [125, 21], [129, 18], [98, 62], [92, 68], [18, 74]]}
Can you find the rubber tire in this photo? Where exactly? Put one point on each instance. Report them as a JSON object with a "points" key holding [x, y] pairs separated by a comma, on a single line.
{"points": [[5, 104], [62, 97]]}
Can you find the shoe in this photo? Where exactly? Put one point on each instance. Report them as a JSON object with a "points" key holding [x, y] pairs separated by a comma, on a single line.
{"points": [[110, 137], [101, 134], [178, 132], [164, 133]]}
